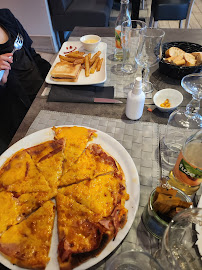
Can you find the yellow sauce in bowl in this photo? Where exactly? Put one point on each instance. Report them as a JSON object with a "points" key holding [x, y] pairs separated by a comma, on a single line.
{"points": [[91, 41]]}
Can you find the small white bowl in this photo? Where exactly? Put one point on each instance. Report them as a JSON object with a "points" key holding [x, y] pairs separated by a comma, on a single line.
{"points": [[90, 46], [174, 96]]}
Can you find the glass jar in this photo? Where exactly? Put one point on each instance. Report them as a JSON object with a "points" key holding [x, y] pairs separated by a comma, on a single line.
{"points": [[152, 221]]}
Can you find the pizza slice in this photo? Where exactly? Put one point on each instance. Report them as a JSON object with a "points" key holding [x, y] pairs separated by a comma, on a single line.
{"points": [[9, 210], [94, 161], [29, 202], [104, 195], [48, 158], [13, 210], [81, 236], [20, 175], [27, 244], [76, 141]]}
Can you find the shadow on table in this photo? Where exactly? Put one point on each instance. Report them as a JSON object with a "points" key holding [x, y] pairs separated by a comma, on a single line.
{"points": [[161, 81]]}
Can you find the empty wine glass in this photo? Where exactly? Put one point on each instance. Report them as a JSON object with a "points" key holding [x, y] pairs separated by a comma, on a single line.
{"points": [[180, 249], [190, 117], [149, 53]]}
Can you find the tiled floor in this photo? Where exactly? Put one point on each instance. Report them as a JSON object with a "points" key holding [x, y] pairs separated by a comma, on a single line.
{"points": [[195, 21]]}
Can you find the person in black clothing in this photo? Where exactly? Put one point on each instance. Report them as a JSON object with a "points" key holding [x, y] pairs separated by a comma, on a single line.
{"points": [[25, 71]]}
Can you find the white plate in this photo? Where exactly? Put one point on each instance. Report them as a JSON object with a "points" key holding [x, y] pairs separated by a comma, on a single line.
{"points": [[115, 149], [97, 77]]}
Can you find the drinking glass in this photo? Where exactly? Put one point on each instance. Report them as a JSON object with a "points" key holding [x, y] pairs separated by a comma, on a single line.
{"points": [[190, 117], [130, 36], [133, 260], [183, 122], [149, 53], [179, 244]]}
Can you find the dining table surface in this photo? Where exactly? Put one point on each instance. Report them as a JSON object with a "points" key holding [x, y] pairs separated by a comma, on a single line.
{"points": [[116, 111], [138, 238]]}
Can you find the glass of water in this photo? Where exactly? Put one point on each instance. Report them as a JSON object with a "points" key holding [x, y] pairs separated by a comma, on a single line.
{"points": [[130, 36]]}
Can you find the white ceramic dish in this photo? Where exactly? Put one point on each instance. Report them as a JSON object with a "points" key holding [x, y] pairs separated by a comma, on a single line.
{"points": [[96, 78], [90, 46], [114, 148], [174, 96]]}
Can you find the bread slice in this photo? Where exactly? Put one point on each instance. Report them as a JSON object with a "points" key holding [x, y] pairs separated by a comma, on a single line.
{"points": [[198, 57], [174, 51], [65, 70], [189, 59], [178, 61]]}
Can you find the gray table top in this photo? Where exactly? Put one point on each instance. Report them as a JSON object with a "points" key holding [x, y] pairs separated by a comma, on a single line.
{"points": [[112, 110]]}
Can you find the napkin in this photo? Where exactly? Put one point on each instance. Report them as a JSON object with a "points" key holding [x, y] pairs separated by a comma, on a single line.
{"points": [[79, 93]]}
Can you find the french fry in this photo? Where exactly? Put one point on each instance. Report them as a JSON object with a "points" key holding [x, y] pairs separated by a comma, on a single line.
{"points": [[79, 61], [93, 68], [99, 64], [68, 59], [92, 60], [87, 73], [76, 55], [89, 55]]}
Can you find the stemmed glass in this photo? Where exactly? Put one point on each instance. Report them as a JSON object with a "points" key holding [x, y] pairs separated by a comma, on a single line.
{"points": [[183, 122], [190, 117], [179, 244], [149, 53]]}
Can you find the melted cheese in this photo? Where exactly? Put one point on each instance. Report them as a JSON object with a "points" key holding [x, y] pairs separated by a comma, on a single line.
{"points": [[77, 226], [100, 195], [20, 175], [9, 210], [92, 162], [76, 140], [27, 244]]}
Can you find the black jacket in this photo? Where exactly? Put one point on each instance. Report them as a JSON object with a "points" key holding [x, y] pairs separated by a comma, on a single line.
{"points": [[26, 76]]}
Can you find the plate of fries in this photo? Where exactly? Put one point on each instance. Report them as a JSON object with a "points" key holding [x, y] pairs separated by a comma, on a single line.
{"points": [[93, 65]]}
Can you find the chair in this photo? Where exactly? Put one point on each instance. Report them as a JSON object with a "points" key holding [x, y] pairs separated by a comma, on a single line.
{"points": [[168, 10], [66, 14]]}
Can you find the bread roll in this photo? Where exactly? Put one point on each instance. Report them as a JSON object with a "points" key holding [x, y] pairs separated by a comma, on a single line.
{"points": [[198, 57], [174, 51], [189, 59]]}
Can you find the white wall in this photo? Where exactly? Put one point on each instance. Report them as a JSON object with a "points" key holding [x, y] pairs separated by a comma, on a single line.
{"points": [[33, 15]]}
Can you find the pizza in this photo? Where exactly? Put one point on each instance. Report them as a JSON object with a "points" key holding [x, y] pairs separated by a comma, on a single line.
{"points": [[88, 185]]}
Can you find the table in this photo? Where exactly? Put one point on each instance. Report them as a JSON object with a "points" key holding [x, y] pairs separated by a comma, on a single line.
{"points": [[114, 111], [138, 237]]}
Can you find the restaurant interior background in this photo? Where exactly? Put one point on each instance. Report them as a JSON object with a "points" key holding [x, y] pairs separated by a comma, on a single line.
{"points": [[36, 19]]}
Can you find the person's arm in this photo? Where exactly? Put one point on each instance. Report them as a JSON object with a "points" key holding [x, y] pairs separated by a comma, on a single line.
{"points": [[5, 61]]}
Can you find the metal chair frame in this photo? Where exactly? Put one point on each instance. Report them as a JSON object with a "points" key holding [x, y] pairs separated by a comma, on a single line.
{"points": [[155, 23]]}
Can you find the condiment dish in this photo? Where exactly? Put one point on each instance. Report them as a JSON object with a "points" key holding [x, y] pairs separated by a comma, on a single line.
{"points": [[90, 42], [175, 99]]}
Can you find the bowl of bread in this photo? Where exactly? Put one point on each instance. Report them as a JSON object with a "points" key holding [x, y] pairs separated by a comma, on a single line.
{"points": [[180, 59]]}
